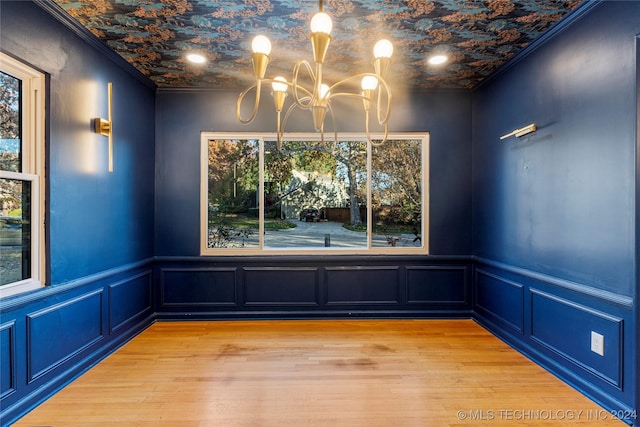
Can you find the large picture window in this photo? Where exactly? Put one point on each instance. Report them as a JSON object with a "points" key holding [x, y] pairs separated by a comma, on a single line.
{"points": [[21, 177], [309, 196]]}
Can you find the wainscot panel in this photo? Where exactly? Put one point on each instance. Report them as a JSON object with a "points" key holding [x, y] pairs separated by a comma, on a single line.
{"points": [[75, 324], [565, 327], [312, 286], [129, 299], [206, 287], [559, 316], [363, 285], [441, 285], [7, 358], [50, 336], [281, 286], [500, 298]]}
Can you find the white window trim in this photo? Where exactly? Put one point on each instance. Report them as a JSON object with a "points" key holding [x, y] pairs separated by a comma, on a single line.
{"points": [[205, 137], [33, 149]]}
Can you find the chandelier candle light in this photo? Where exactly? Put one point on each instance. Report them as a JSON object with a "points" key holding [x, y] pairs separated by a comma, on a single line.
{"points": [[318, 98]]}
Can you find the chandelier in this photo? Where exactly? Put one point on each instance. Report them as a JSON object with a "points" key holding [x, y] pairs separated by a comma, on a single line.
{"points": [[318, 96]]}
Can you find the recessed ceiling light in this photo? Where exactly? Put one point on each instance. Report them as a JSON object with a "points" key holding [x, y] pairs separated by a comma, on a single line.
{"points": [[196, 58], [438, 59]]}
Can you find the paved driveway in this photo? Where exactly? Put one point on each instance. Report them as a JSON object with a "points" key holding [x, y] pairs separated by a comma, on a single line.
{"points": [[315, 235]]}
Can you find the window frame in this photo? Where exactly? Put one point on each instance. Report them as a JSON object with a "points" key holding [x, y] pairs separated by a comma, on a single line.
{"points": [[261, 137], [32, 167]]}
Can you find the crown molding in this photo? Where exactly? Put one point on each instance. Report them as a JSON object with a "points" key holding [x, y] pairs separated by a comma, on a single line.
{"points": [[572, 17], [68, 21]]}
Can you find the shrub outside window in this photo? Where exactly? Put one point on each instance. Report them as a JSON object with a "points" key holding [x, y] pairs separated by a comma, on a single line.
{"points": [[313, 197]]}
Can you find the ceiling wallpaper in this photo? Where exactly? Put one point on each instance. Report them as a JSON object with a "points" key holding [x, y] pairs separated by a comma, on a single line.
{"points": [[477, 35]]}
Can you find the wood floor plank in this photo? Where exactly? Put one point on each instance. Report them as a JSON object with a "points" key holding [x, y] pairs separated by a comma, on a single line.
{"points": [[317, 373]]}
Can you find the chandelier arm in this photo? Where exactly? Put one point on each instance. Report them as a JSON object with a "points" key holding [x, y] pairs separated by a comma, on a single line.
{"points": [[291, 85], [295, 86], [387, 114], [353, 79], [366, 127], [362, 97], [307, 94], [384, 138], [284, 123], [345, 95], [335, 131], [369, 139], [381, 82], [278, 132], [258, 86]]}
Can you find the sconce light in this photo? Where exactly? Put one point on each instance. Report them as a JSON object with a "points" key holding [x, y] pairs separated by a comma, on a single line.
{"points": [[521, 132], [104, 127]]}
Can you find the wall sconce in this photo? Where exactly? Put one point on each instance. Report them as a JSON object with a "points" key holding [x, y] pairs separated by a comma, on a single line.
{"points": [[521, 132], [104, 127]]}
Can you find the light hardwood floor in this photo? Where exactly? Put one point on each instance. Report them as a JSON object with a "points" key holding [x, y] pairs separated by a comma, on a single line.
{"points": [[317, 373]]}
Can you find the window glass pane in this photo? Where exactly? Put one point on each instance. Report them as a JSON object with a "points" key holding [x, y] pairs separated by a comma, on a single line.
{"points": [[353, 197], [396, 193], [315, 197], [10, 126], [233, 194], [15, 230]]}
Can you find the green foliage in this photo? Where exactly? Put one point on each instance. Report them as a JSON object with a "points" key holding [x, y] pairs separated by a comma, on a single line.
{"points": [[317, 160], [396, 195], [249, 223], [233, 175], [9, 112], [278, 166], [278, 224], [359, 227]]}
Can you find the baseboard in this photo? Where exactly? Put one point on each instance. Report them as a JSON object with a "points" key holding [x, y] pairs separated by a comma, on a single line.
{"points": [[309, 314]]}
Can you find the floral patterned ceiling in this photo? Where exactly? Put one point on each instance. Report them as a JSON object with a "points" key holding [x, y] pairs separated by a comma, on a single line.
{"points": [[477, 35]]}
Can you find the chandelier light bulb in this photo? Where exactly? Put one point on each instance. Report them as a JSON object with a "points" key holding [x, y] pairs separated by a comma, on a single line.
{"points": [[321, 23], [261, 44], [369, 83], [279, 87], [383, 49], [324, 90]]}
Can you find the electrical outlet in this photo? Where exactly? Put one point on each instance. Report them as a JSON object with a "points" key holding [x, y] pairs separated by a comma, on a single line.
{"points": [[597, 343]]}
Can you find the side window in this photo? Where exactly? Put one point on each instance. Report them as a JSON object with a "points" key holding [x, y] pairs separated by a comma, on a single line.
{"points": [[308, 196], [21, 177]]}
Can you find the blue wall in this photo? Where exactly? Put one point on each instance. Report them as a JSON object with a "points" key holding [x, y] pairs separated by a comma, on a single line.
{"points": [[190, 286], [87, 204], [561, 201], [554, 221], [182, 115], [99, 224]]}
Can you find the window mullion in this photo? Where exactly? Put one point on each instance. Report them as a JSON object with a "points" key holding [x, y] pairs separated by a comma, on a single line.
{"points": [[261, 201], [18, 176], [369, 201]]}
